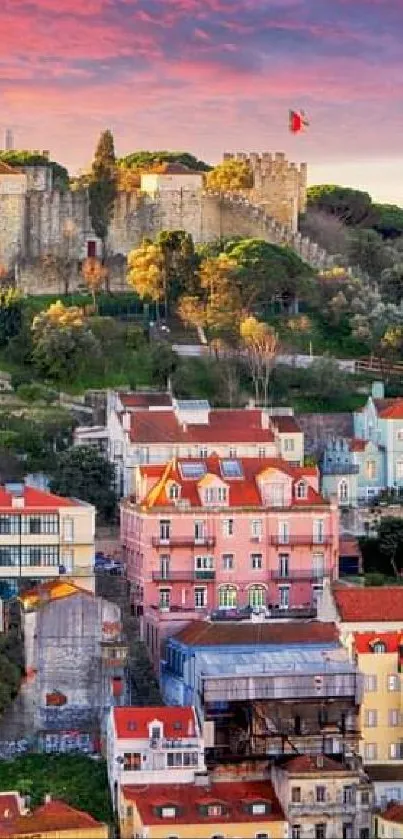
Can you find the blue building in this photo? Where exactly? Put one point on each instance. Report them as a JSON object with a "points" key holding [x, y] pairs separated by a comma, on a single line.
{"points": [[265, 688], [353, 470]]}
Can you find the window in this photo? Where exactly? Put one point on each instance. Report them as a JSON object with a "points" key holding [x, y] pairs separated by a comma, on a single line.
{"points": [[190, 759], [347, 830], [259, 808], [371, 718], [165, 598], [199, 531], [289, 444], [168, 812], [9, 524], [320, 831], [320, 794], [283, 532], [222, 493], [132, 762], [91, 249], [301, 491], [371, 751], [396, 751], [343, 492], [393, 682], [261, 452], [40, 555], [365, 798], [9, 556], [274, 494], [318, 531], [174, 760], [371, 683], [227, 597], [379, 647], [400, 434], [200, 598], [318, 566], [228, 527], [284, 597], [370, 469], [257, 597], [283, 565], [68, 530], [261, 836], [203, 452], [41, 525], [348, 795], [256, 561], [256, 528], [228, 562], [296, 831], [204, 563], [165, 530], [394, 716], [232, 452], [296, 795], [164, 566], [174, 491], [214, 810], [399, 469]]}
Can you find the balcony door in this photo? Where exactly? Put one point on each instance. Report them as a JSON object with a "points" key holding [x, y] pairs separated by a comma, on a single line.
{"points": [[164, 566], [284, 565], [283, 532], [284, 597]]}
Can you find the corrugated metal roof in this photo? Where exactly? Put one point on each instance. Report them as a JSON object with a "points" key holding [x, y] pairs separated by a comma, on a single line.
{"points": [[273, 663]]}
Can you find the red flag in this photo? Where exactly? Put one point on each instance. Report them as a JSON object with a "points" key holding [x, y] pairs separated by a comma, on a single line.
{"points": [[297, 121]]}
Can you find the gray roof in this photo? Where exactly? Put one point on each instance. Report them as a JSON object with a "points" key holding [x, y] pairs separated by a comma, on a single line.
{"points": [[280, 663]]}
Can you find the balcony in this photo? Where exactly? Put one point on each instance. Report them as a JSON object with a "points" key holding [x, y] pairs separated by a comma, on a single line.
{"points": [[294, 541], [179, 613], [340, 469], [183, 542], [188, 576], [321, 808], [345, 685], [295, 574]]}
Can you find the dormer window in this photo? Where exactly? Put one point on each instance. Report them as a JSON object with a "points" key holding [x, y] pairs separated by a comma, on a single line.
{"points": [[167, 811], [212, 810], [155, 731], [222, 493], [174, 492], [378, 647], [301, 490]]}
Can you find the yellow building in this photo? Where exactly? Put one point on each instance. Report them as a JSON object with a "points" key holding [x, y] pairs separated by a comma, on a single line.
{"points": [[43, 537], [323, 797], [52, 820], [248, 809], [370, 621], [389, 824]]}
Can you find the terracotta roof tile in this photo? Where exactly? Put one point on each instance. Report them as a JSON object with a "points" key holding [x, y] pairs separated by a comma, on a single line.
{"points": [[286, 424], [224, 426], [145, 400], [303, 764], [133, 722], [364, 641], [357, 445], [54, 816], [393, 813], [36, 499], [390, 408], [6, 169], [359, 604], [206, 634], [189, 798]]}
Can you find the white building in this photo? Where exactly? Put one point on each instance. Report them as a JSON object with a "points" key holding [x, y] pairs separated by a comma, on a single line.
{"points": [[153, 746]]}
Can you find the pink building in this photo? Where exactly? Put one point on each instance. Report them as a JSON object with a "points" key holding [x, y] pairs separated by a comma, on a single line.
{"points": [[217, 534]]}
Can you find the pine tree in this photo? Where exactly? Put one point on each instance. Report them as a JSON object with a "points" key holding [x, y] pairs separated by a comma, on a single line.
{"points": [[103, 188]]}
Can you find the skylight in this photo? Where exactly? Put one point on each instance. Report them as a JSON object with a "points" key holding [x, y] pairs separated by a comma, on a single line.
{"points": [[193, 470], [231, 469]]}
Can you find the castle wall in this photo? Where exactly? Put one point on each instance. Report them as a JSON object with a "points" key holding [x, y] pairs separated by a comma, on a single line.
{"points": [[12, 215]]}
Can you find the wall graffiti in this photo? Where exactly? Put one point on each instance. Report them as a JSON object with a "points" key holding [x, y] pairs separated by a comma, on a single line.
{"points": [[12, 748], [55, 742]]}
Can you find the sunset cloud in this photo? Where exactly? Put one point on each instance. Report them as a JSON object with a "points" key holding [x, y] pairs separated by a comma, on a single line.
{"points": [[203, 74]]}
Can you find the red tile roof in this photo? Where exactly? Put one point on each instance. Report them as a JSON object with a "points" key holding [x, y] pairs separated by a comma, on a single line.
{"points": [[286, 424], [224, 426], [132, 722], [35, 500], [53, 816], [9, 806], [359, 604], [393, 813], [348, 546], [206, 634], [357, 445], [364, 641], [391, 409], [242, 492], [189, 798], [303, 764], [145, 400], [6, 169]]}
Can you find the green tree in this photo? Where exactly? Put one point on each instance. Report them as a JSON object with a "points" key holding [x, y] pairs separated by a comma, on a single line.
{"points": [[11, 314], [180, 262], [163, 363], [82, 472], [63, 345], [268, 271], [230, 176], [352, 206], [143, 160], [103, 188], [389, 220], [21, 158], [391, 283], [367, 251], [390, 543]]}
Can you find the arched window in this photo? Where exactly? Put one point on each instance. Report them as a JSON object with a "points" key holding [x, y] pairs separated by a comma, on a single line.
{"points": [[343, 491], [257, 597], [301, 489], [379, 647], [227, 597]]}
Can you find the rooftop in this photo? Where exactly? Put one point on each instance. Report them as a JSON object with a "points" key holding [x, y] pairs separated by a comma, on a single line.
{"points": [[389, 408], [308, 764], [191, 803], [145, 400], [51, 590], [385, 771], [286, 424], [364, 642], [34, 499], [359, 604], [224, 426], [52, 817], [239, 475], [6, 169], [206, 634], [286, 662], [393, 813], [132, 722]]}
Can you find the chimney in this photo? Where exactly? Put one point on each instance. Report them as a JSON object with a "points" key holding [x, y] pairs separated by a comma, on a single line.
{"points": [[17, 494], [126, 421], [46, 154], [251, 404], [319, 762], [201, 779], [48, 798], [265, 419]]}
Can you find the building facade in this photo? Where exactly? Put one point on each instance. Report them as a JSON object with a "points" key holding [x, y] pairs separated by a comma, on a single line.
{"points": [[353, 470], [324, 798], [153, 428], [266, 690], [156, 745], [44, 537], [220, 534], [389, 823], [381, 421]]}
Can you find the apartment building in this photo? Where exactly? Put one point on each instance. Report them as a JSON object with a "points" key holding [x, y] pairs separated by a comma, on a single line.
{"points": [[152, 428], [323, 797], [225, 534], [153, 745], [370, 621], [43, 537]]}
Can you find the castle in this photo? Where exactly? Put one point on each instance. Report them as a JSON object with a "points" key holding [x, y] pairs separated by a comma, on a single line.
{"points": [[37, 220]]}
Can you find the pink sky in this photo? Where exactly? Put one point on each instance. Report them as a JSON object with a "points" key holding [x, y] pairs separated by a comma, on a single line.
{"points": [[208, 76]]}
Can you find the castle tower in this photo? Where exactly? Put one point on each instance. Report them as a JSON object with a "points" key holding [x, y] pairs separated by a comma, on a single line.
{"points": [[9, 140]]}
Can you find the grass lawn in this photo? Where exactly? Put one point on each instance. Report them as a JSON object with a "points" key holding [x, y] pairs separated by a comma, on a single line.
{"points": [[77, 779]]}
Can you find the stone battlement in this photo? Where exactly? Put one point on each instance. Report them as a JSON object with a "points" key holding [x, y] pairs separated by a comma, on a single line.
{"points": [[278, 184]]}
